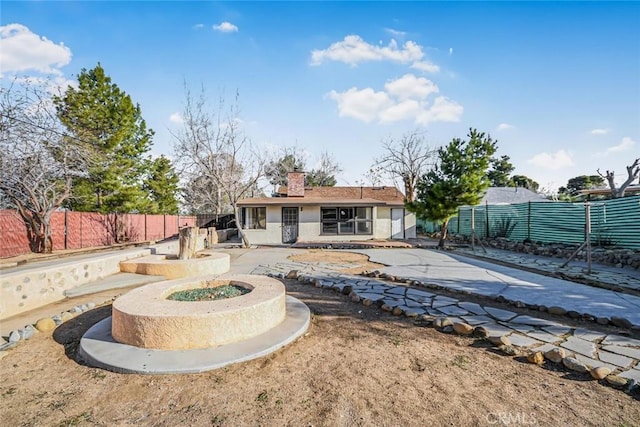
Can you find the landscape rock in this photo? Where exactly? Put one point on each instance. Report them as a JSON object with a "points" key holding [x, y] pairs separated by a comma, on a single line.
{"points": [[354, 297], [508, 350], [621, 322], [397, 311], [386, 307], [14, 336], [536, 358], [600, 372], [45, 324], [367, 302], [441, 322], [65, 315], [347, 289], [425, 319], [602, 320], [447, 329], [555, 355], [557, 311], [616, 380], [574, 364], [573, 314], [462, 328], [27, 332], [293, 274], [499, 340]]}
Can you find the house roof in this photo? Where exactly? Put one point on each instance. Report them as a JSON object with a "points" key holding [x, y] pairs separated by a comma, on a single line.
{"points": [[510, 195], [635, 188], [336, 196]]}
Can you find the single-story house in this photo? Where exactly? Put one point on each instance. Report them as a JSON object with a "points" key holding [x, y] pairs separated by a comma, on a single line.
{"points": [[316, 214]]}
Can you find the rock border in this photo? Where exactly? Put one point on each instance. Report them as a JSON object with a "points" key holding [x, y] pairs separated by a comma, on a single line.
{"points": [[501, 343], [619, 322]]}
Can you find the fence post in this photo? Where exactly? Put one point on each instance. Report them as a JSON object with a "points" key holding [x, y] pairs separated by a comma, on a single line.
{"points": [[66, 229], [473, 229], [164, 226], [529, 221], [486, 207], [145, 227], [458, 220], [587, 220], [80, 230]]}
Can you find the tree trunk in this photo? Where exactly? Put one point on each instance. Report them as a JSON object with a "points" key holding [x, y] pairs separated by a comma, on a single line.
{"points": [[188, 240], [443, 233], [243, 237]]}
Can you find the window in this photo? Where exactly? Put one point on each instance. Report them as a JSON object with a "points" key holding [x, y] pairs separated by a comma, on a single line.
{"points": [[254, 218], [346, 220]]}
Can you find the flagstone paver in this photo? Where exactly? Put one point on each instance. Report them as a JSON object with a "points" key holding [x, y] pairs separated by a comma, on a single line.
{"points": [[619, 353], [523, 341], [625, 351], [580, 346], [500, 314], [615, 359]]}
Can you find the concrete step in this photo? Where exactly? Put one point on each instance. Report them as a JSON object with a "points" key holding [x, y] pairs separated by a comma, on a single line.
{"points": [[115, 281]]}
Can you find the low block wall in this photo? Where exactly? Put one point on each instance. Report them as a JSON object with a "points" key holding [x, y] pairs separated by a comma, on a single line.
{"points": [[24, 289]]}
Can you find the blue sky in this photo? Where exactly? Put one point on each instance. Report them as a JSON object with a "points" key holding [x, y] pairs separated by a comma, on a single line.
{"points": [[557, 84]]}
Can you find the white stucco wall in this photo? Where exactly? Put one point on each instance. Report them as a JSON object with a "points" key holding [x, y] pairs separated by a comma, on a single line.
{"points": [[309, 227], [273, 233]]}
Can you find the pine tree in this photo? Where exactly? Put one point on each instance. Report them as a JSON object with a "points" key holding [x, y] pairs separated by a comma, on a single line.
{"points": [[162, 185], [101, 114], [459, 178]]}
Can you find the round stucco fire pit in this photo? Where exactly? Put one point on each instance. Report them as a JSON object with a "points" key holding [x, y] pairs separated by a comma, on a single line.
{"points": [[151, 334], [145, 317]]}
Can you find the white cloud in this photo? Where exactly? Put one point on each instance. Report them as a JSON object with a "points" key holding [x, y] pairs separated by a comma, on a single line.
{"points": [[442, 110], [198, 26], [450, 51], [402, 99], [226, 27], [410, 86], [505, 126], [404, 110], [21, 50], [600, 131], [396, 33], [363, 104], [626, 144], [554, 161], [425, 66], [176, 118], [353, 49]]}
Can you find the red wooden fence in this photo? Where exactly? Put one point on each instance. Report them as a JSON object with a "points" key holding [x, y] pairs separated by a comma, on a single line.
{"points": [[75, 230]]}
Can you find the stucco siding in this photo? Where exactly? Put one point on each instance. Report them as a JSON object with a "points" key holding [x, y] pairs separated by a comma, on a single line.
{"points": [[309, 228]]}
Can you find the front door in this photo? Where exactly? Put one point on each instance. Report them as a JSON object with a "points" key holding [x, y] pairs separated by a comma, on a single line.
{"points": [[397, 223], [289, 225]]}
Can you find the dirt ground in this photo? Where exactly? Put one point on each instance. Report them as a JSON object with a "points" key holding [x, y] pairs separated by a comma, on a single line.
{"points": [[356, 366]]}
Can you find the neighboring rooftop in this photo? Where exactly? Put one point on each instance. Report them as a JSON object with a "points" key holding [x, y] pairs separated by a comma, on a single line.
{"points": [[607, 191], [511, 195]]}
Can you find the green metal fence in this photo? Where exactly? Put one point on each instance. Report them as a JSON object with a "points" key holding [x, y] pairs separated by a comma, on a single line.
{"points": [[614, 222]]}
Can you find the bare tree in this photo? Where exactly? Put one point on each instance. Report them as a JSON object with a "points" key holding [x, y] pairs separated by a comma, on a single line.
{"points": [[212, 147], [37, 159], [407, 159], [633, 171], [325, 174]]}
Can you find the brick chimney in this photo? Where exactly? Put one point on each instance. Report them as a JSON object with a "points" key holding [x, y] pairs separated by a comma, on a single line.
{"points": [[295, 186]]}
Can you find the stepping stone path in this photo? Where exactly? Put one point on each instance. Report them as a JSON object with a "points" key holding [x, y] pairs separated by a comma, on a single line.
{"points": [[584, 348]]}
